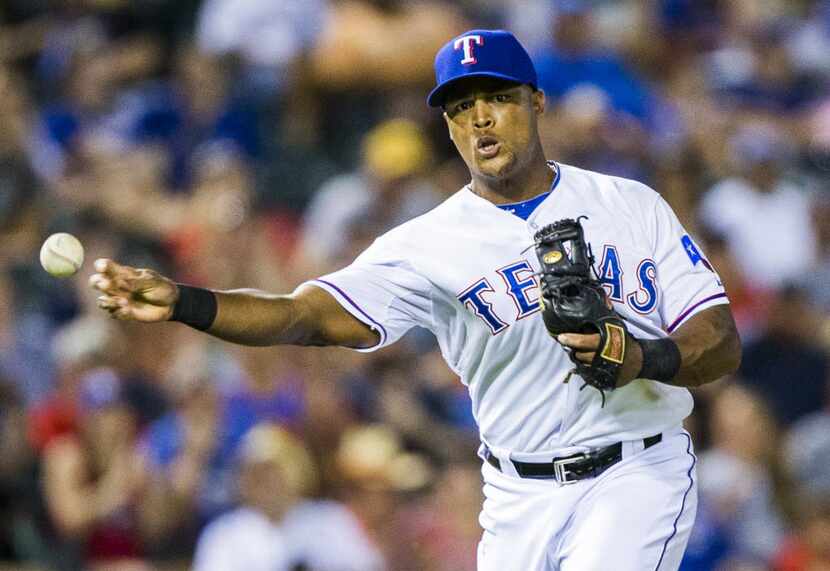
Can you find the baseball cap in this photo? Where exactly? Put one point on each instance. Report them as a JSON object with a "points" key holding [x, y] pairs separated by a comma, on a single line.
{"points": [[481, 53]]}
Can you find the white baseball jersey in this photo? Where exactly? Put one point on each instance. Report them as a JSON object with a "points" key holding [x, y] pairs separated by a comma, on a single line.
{"points": [[465, 271]]}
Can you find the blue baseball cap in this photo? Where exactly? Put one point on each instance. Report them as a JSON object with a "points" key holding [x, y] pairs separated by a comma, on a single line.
{"points": [[481, 53]]}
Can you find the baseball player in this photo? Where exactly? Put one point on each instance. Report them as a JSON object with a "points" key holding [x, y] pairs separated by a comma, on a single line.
{"points": [[575, 479]]}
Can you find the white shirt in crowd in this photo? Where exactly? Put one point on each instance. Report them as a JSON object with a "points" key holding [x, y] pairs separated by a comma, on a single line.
{"points": [[770, 235], [343, 202], [265, 32], [323, 535]]}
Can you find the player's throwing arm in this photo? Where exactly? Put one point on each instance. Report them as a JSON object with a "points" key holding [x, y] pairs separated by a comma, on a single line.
{"points": [[308, 316]]}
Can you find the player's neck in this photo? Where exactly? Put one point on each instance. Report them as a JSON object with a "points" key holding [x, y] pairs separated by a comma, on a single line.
{"points": [[534, 179]]}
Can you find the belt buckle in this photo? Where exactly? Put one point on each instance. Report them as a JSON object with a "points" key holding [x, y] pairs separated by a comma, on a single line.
{"points": [[560, 468]]}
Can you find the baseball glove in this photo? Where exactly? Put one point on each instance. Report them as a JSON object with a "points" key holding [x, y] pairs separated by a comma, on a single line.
{"points": [[574, 301]]}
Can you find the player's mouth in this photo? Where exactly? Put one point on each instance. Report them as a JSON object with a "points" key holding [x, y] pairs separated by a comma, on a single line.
{"points": [[488, 147]]}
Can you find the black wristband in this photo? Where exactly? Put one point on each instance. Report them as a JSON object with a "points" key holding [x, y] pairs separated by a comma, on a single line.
{"points": [[661, 359], [196, 307]]}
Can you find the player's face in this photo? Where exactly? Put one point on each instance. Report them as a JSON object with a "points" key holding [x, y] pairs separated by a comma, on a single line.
{"points": [[493, 124]]}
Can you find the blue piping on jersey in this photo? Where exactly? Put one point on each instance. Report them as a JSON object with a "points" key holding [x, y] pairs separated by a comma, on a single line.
{"points": [[683, 504], [525, 208], [377, 326], [683, 315]]}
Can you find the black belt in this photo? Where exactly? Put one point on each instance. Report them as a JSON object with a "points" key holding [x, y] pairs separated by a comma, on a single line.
{"points": [[571, 469]]}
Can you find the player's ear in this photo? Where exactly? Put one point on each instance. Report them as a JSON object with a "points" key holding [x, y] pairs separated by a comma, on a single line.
{"points": [[538, 100]]}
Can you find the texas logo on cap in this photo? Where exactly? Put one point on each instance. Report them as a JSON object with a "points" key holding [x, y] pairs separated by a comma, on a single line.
{"points": [[481, 53]]}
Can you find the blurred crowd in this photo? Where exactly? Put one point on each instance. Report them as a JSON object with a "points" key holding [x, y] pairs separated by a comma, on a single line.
{"points": [[259, 143]]}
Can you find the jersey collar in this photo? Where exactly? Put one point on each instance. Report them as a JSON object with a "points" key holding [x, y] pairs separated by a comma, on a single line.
{"points": [[525, 208]]}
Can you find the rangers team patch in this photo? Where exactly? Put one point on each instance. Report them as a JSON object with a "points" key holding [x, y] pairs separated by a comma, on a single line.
{"points": [[614, 349]]}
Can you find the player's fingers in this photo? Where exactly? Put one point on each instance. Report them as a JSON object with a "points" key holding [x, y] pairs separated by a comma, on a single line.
{"points": [[142, 278], [110, 302], [112, 269], [109, 284], [579, 341], [122, 312], [111, 281], [104, 266], [101, 282], [585, 356]]}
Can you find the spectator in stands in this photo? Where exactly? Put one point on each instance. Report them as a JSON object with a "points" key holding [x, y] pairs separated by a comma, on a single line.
{"points": [[807, 450], [440, 533], [688, 21], [576, 61], [814, 134], [82, 345], [17, 177], [94, 107], [808, 548], [430, 409], [809, 44], [761, 76], [269, 36], [372, 457], [354, 48], [276, 528], [779, 208], [188, 458], [786, 364], [207, 107], [377, 478], [354, 208], [91, 480], [741, 478], [15, 472], [191, 452], [815, 282], [583, 130]]}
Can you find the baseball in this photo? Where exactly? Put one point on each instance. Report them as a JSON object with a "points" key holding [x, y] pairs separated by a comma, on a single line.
{"points": [[61, 255]]}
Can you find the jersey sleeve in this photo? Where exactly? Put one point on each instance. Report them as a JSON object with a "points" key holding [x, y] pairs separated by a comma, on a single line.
{"points": [[383, 290], [688, 282]]}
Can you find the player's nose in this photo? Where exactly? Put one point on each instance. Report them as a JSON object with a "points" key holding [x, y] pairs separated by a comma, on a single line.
{"points": [[482, 116]]}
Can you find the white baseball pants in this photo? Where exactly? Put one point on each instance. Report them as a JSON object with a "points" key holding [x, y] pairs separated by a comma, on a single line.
{"points": [[636, 516]]}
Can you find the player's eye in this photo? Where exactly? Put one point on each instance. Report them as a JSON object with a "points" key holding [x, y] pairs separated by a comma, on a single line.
{"points": [[463, 106], [502, 97]]}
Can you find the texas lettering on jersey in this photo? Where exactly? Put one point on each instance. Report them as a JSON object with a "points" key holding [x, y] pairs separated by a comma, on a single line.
{"points": [[520, 283]]}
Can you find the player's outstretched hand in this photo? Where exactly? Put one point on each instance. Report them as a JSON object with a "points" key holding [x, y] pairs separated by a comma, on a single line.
{"points": [[133, 294]]}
